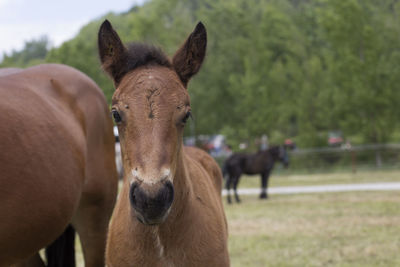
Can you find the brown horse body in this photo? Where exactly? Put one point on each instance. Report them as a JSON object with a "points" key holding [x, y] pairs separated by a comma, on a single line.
{"points": [[56, 163], [170, 211], [8, 71]]}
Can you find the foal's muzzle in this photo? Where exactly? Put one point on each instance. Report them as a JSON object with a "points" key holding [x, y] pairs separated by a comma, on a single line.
{"points": [[151, 203]]}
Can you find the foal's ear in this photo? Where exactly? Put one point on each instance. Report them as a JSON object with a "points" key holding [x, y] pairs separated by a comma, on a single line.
{"points": [[112, 52], [187, 60]]}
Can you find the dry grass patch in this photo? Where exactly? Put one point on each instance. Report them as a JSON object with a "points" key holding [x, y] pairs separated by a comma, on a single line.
{"points": [[337, 229]]}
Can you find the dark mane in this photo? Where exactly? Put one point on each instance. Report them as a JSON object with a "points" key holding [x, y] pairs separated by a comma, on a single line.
{"points": [[117, 60], [140, 54], [134, 56]]}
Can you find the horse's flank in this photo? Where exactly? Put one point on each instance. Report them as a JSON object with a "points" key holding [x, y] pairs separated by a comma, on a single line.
{"points": [[9, 71], [57, 161]]}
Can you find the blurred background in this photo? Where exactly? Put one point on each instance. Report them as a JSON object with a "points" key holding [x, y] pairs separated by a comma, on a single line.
{"points": [[320, 75]]}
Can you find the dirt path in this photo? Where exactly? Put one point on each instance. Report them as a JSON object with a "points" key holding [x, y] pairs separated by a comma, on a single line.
{"points": [[322, 188]]}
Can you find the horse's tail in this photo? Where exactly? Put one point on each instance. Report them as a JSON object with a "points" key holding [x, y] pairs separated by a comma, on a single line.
{"points": [[61, 253]]}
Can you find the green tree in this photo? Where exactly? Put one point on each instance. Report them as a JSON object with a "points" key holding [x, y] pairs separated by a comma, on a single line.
{"points": [[364, 48], [33, 53], [285, 68]]}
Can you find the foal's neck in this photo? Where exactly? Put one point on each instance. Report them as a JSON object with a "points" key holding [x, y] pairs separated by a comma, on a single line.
{"points": [[182, 188]]}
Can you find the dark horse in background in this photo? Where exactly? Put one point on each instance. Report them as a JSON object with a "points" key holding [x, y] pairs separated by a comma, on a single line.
{"points": [[261, 163]]}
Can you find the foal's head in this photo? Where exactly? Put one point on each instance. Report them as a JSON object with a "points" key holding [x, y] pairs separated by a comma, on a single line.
{"points": [[150, 106]]}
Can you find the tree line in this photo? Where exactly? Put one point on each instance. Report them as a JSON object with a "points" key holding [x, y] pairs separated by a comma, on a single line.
{"points": [[286, 68]]}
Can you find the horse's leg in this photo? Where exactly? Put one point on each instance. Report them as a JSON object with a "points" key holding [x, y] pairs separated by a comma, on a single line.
{"points": [[33, 261], [228, 188], [96, 204], [91, 224], [264, 184], [93, 215], [235, 184]]}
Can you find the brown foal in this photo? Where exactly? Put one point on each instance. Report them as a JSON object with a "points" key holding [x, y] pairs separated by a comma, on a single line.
{"points": [[169, 212]]}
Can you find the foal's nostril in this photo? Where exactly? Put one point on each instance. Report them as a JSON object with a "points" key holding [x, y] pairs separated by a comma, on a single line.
{"points": [[169, 192], [132, 194]]}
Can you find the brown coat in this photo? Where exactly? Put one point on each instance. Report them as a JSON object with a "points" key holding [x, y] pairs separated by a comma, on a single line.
{"points": [[170, 211], [56, 162]]}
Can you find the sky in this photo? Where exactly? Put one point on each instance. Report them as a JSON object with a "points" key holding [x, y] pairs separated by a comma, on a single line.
{"points": [[60, 20]]}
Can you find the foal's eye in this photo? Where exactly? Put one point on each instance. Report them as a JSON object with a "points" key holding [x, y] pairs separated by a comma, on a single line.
{"points": [[187, 116], [116, 116]]}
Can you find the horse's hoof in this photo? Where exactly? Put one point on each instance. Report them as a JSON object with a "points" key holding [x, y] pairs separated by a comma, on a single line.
{"points": [[263, 196]]}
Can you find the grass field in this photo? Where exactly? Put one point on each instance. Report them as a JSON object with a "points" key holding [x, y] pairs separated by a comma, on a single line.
{"points": [[334, 229]]}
